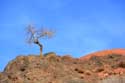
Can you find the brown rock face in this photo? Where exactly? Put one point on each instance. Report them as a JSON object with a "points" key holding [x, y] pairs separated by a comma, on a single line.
{"points": [[65, 69]]}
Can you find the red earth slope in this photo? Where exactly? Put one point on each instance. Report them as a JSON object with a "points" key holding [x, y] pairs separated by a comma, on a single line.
{"points": [[104, 52]]}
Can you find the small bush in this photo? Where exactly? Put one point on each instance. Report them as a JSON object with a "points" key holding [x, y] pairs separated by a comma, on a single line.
{"points": [[96, 60], [49, 53]]}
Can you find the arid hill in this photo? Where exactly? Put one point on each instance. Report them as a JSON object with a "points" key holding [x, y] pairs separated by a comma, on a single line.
{"points": [[105, 52], [99, 67]]}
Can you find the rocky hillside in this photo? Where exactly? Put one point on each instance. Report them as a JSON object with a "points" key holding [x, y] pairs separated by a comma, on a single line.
{"points": [[109, 68], [105, 52]]}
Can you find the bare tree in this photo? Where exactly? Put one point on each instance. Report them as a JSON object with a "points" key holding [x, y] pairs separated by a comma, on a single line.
{"points": [[34, 36]]}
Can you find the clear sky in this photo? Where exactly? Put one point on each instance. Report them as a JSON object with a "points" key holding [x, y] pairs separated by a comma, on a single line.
{"points": [[82, 26]]}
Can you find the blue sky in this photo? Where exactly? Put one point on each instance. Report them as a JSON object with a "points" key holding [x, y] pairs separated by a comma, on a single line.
{"points": [[82, 26]]}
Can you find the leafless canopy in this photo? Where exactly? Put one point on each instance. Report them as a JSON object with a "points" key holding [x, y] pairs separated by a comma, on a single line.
{"points": [[35, 34]]}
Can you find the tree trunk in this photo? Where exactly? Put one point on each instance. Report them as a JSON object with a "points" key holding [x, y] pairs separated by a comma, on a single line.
{"points": [[41, 47]]}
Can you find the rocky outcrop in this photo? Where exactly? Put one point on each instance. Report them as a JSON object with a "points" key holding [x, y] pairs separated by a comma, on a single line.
{"points": [[64, 69]]}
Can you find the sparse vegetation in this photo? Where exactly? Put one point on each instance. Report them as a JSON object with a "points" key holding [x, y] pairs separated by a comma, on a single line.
{"points": [[34, 35], [49, 53], [65, 69]]}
